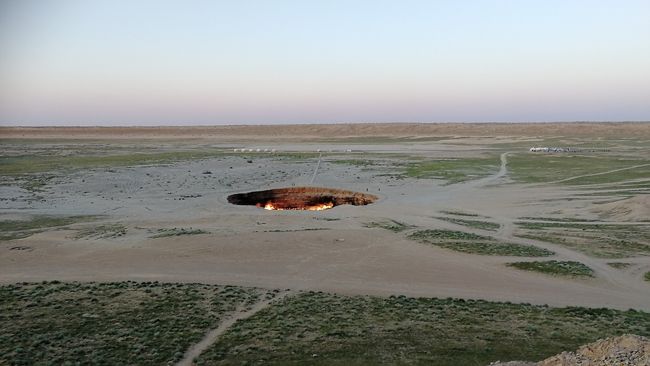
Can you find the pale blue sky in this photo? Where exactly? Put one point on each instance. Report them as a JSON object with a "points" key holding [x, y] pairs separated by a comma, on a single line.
{"points": [[90, 62]]}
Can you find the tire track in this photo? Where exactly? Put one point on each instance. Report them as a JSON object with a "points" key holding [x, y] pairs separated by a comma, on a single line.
{"points": [[507, 231], [597, 174], [313, 177], [213, 335]]}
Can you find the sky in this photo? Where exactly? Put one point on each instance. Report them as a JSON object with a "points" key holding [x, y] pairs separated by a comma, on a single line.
{"points": [[146, 62]]}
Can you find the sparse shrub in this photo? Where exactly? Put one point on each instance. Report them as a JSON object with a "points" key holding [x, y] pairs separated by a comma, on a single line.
{"points": [[561, 268], [162, 233]]}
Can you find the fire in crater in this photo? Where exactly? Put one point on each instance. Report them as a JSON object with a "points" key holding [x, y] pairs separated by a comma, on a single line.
{"points": [[301, 198], [316, 207]]}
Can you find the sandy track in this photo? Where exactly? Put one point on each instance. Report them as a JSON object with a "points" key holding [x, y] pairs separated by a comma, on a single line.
{"points": [[506, 233], [313, 177], [211, 337]]}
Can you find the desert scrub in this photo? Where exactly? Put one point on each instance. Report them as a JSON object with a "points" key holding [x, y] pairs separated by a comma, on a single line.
{"points": [[392, 225], [496, 248], [326, 329], [598, 240], [121, 323], [162, 233], [476, 244], [633, 186], [459, 213], [35, 182], [582, 225], [555, 219], [453, 170], [327, 218], [294, 157], [26, 164], [434, 234], [553, 267], [646, 276], [18, 229], [619, 265], [540, 168], [102, 232], [354, 162], [296, 230], [476, 224]]}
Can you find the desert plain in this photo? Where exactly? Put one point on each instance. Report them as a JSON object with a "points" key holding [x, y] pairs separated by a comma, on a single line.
{"points": [[466, 220]]}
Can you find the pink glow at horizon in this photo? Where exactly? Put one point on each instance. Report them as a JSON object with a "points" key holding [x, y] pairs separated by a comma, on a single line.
{"points": [[73, 62]]}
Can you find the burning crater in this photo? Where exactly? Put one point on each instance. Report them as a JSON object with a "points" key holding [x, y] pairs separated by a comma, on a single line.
{"points": [[301, 198]]}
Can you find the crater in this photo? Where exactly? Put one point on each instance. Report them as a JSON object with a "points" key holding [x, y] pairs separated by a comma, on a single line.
{"points": [[301, 198]]}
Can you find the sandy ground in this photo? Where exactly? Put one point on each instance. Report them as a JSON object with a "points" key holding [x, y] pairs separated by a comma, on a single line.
{"points": [[330, 250], [618, 129]]}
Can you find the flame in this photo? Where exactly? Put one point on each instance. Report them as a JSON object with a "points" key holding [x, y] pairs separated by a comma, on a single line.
{"points": [[269, 206], [318, 207]]}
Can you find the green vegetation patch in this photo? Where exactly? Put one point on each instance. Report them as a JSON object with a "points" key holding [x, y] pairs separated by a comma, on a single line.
{"points": [[570, 225], [556, 219], [355, 162], [28, 164], [296, 230], [326, 329], [124, 323], [646, 276], [294, 157], [476, 244], [435, 234], [327, 218], [102, 232], [598, 240], [392, 225], [496, 248], [553, 267], [35, 182], [542, 168], [476, 224], [163, 233], [18, 229], [640, 185], [154, 323], [453, 170], [459, 213], [619, 265]]}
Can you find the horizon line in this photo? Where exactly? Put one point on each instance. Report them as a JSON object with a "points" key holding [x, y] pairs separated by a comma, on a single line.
{"points": [[316, 123]]}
